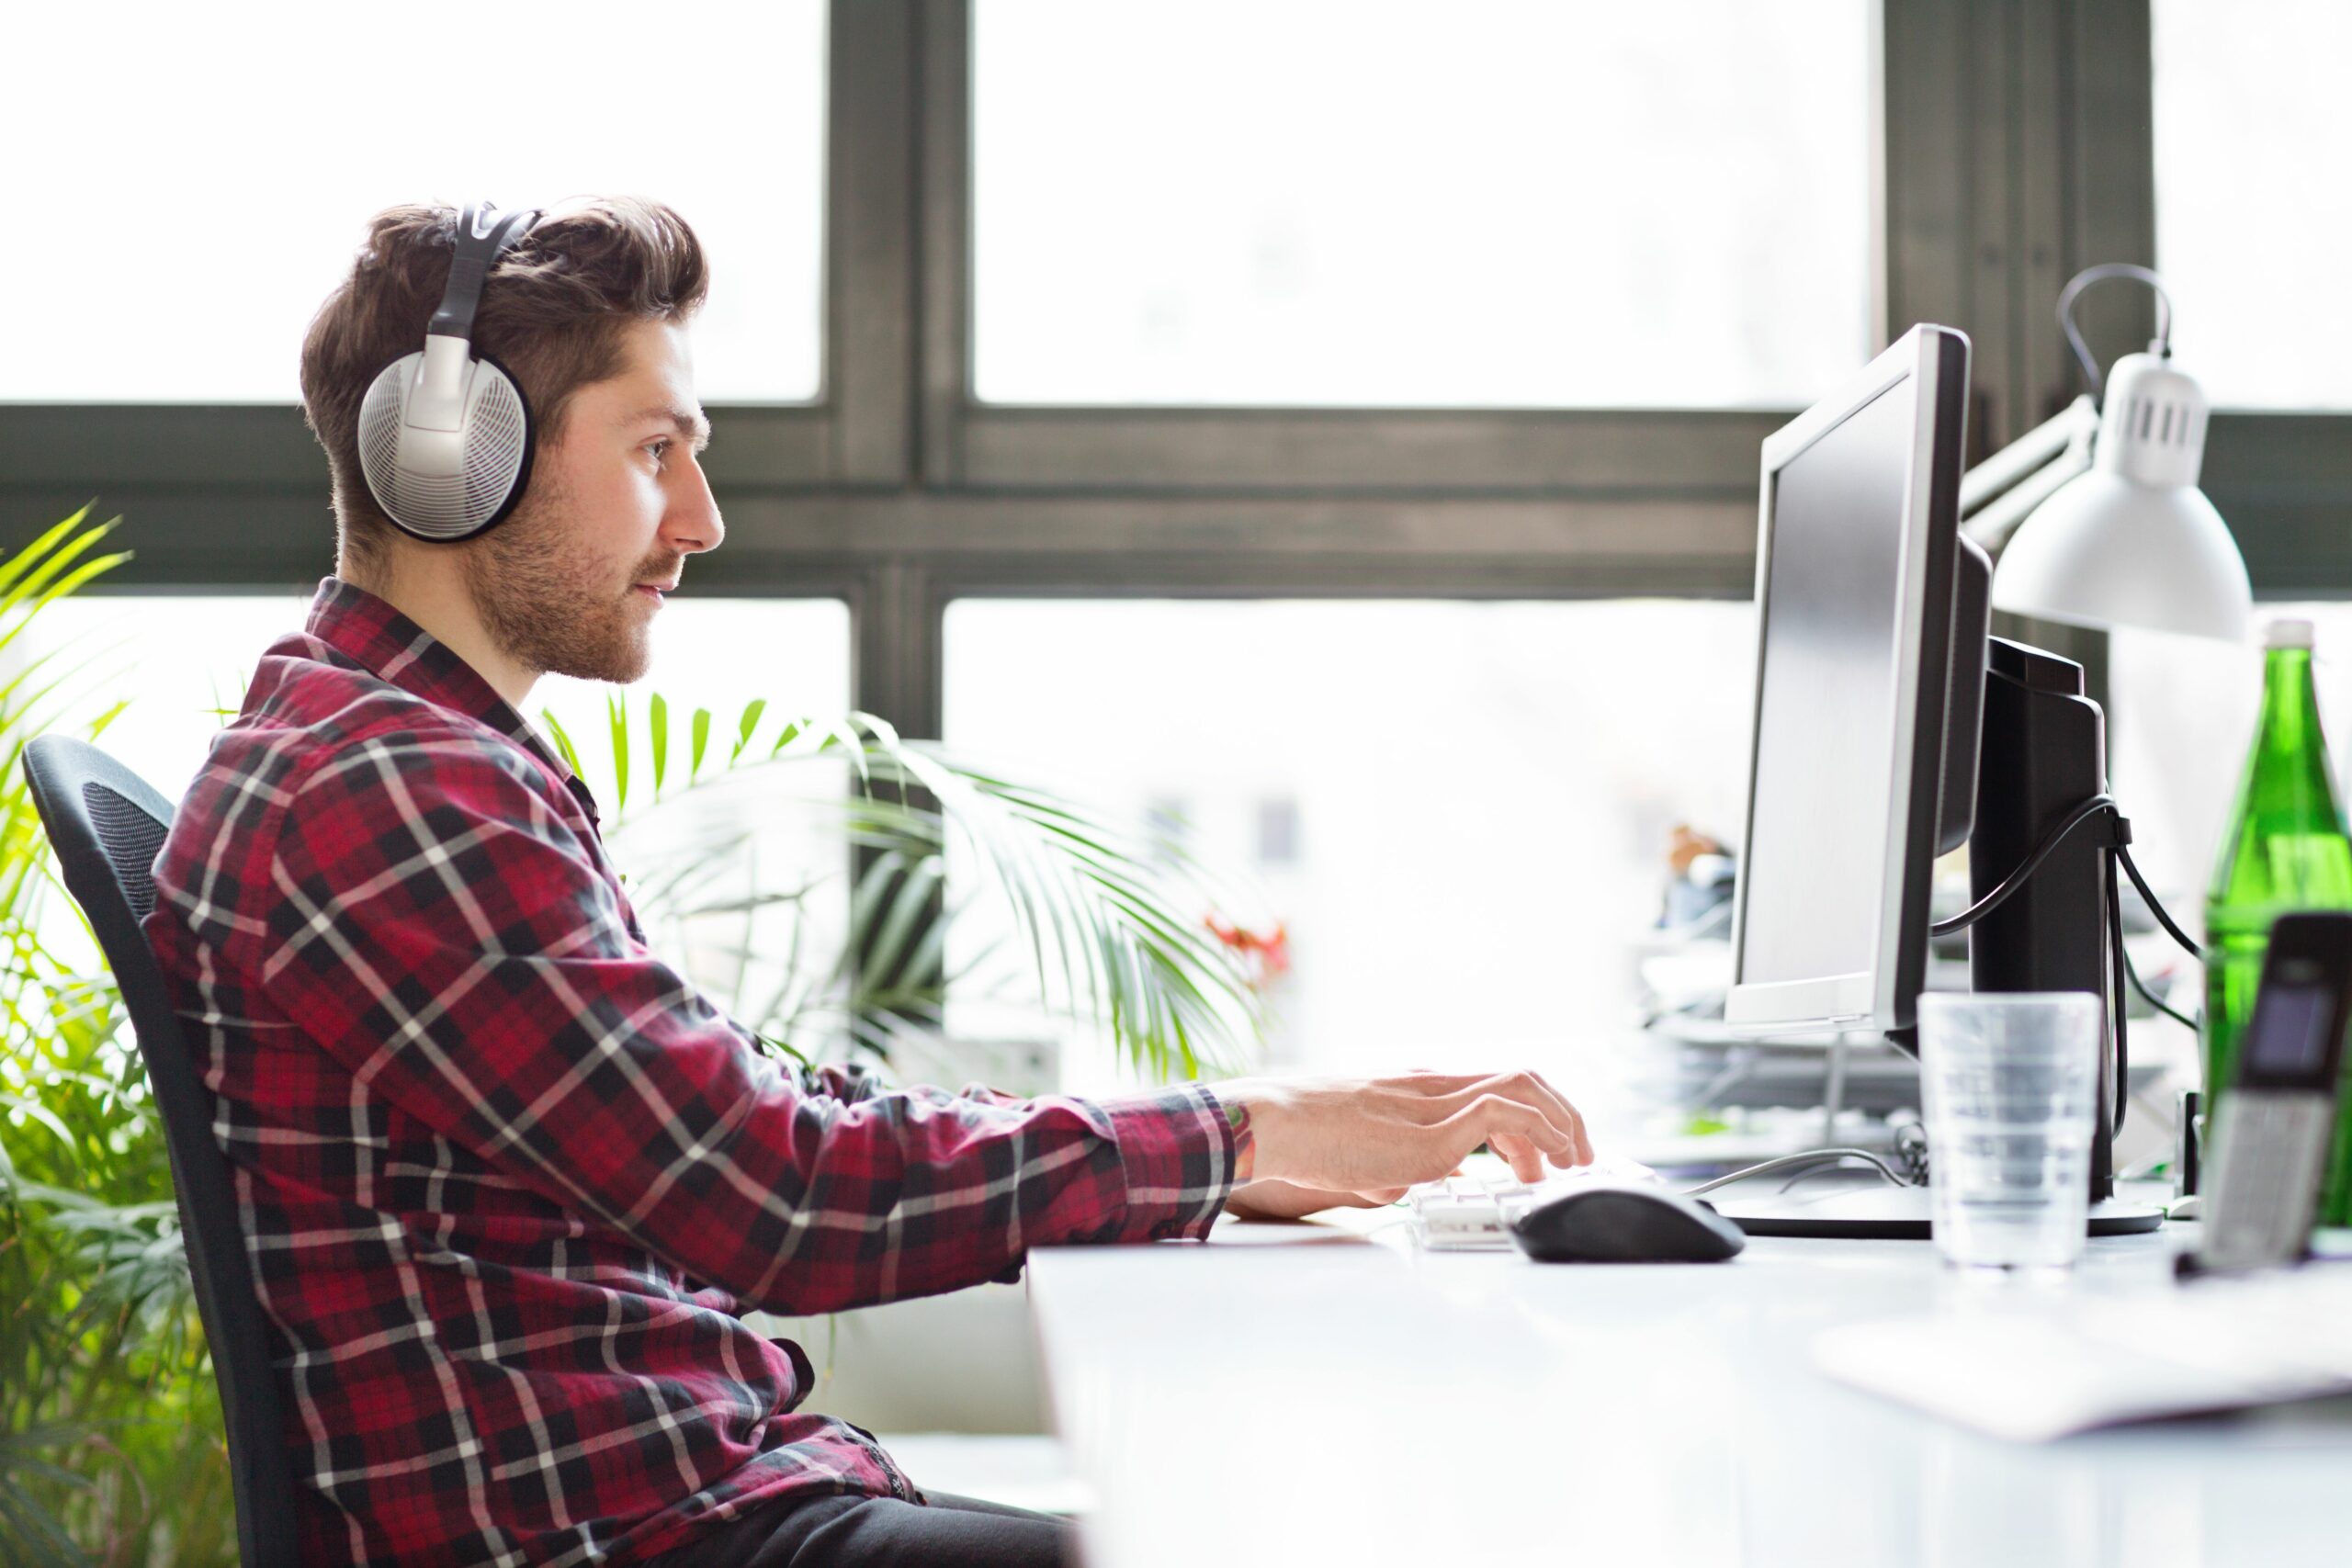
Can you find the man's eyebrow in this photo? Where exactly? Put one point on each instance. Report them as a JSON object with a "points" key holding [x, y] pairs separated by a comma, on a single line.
{"points": [[691, 425]]}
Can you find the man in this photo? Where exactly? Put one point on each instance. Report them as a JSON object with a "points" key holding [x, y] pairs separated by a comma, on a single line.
{"points": [[506, 1178]]}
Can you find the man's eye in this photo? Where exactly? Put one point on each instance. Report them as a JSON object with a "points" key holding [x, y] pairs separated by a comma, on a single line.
{"points": [[659, 448]]}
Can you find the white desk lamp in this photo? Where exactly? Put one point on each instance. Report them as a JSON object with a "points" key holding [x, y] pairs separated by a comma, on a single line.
{"points": [[2103, 522]]}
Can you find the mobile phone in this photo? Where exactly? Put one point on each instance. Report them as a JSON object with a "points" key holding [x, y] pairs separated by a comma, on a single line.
{"points": [[2265, 1152]]}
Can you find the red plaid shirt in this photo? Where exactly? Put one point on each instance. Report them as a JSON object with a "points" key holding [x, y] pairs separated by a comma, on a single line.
{"points": [[507, 1179]]}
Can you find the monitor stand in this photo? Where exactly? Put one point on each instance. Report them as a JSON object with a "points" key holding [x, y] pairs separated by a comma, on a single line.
{"points": [[1889, 1214]]}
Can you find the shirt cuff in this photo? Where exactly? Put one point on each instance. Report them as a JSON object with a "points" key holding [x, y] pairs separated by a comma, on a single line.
{"points": [[1176, 1152]]}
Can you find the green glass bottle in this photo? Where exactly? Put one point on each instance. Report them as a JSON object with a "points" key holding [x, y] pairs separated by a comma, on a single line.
{"points": [[2285, 849]]}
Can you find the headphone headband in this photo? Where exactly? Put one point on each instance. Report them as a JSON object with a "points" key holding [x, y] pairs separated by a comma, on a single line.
{"points": [[480, 242]]}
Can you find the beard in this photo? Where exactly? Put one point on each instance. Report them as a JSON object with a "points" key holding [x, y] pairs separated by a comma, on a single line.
{"points": [[553, 609]]}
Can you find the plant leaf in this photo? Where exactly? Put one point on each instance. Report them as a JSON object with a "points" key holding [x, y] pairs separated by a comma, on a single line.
{"points": [[658, 723], [743, 727], [617, 715], [562, 739]]}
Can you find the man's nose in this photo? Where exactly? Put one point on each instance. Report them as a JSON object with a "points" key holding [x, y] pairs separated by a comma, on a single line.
{"points": [[693, 523]]}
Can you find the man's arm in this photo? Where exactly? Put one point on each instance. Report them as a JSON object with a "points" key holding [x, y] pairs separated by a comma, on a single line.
{"points": [[852, 1083], [444, 933]]}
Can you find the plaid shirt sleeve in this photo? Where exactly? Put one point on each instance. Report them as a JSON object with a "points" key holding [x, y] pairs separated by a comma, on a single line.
{"points": [[462, 950]]}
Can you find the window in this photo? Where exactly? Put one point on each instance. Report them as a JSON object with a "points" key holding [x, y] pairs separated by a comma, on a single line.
{"points": [[714, 653], [204, 173], [1460, 812], [1349, 203], [722, 654], [2252, 220], [183, 662], [1462, 214]]}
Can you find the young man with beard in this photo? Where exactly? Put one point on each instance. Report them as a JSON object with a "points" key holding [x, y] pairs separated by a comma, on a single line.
{"points": [[506, 1180]]}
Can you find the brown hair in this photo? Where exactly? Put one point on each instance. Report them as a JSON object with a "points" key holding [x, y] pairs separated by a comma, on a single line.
{"points": [[552, 315]]}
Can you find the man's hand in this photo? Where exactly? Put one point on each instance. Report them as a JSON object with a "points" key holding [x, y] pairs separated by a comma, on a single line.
{"points": [[1369, 1136]]}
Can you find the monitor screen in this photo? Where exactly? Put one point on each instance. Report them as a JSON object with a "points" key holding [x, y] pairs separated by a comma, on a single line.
{"points": [[1825, 708], [1859, 563]]}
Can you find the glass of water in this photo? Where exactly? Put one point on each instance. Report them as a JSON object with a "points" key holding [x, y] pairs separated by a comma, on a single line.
{"points": [[2011, 1083]]}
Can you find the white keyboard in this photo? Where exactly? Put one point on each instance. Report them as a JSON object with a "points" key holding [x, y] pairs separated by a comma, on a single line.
{"points": [[1470, 1211]]}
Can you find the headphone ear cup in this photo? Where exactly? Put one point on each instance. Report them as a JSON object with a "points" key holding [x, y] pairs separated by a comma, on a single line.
{"points": [[381, 414], [496, 445], [442, 485]]}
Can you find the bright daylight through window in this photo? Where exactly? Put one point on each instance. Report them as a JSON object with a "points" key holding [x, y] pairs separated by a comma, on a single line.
{"points": [[1369, 202], [715, 653], [210, 143], [1455, 815], [2253, 222]]}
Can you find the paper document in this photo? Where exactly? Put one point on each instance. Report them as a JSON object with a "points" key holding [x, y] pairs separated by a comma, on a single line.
{"points": [[2034, 1372]]}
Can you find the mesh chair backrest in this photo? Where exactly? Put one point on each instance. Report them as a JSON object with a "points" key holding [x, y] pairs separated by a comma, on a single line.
{"points": [[108, 827], [132, 840]]}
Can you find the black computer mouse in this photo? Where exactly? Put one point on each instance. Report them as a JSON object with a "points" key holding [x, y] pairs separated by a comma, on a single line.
{"points": [[1606, 1223]]}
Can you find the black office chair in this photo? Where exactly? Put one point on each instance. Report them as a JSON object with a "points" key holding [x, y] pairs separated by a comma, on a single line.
{"points": [[108, 827]]}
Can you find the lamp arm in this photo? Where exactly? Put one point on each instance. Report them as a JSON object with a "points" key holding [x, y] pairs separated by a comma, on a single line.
{"points": [[1996, 496], [1991, 525]]}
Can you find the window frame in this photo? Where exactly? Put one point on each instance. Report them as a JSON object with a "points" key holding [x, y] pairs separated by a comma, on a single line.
{"points": [[2016, 146]]}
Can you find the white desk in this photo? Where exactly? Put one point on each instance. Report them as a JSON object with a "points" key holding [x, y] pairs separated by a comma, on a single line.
{"points": [[1301, 1399]]}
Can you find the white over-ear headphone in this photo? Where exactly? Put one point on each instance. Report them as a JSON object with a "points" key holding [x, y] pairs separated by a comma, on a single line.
{"points": [[445, 435]]}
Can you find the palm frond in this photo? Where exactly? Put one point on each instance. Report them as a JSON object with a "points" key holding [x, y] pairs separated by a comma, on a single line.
{"points": [[1112, 920]]}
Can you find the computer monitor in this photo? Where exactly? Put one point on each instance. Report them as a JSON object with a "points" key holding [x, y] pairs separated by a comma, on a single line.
{"points": [[1860, 566], [1879, 744]]}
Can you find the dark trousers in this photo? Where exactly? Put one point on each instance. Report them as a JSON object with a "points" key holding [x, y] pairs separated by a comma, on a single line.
{"points": [[851, 1532]]}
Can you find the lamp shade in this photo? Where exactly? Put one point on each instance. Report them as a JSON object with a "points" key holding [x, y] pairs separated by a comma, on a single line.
{"points": [[2134, 542]]}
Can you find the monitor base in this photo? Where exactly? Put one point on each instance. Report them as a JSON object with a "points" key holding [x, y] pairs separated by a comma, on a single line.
{"points": [[1890, 1213]]}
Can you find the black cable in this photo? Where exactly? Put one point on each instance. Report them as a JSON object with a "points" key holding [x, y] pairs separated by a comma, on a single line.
{"points": [[2158, 910], [2095, 806], [2121, 973], [2122, 1026], [2153, 999], [1804, 1161], [1827, 1167]]}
